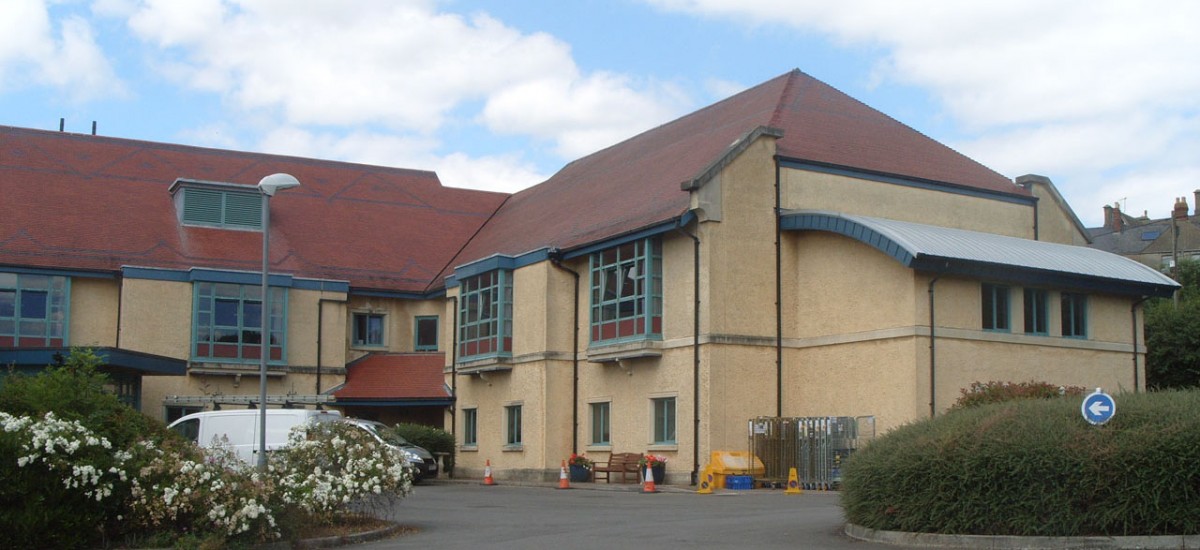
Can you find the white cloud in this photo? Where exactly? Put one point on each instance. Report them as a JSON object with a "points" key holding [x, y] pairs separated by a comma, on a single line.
{"points": [[33, 53]]}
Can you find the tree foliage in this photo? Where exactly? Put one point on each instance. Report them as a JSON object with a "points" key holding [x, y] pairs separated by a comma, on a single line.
{"points": [[1173, 334]]}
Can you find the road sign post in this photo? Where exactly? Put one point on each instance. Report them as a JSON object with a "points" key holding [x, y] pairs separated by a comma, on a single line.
{"points": [[1098, 407]]}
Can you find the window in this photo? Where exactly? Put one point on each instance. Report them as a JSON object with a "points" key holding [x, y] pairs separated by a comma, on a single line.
{"points": [[368, 329], [626, 283], [1036, 316], [175, 412], [664, 421], [470, 427], [485, 315], [600, 424], [1074, 315], [222, 208], [228, 322], [995, 307], [513, 431], [33, 310], [426, 333]]}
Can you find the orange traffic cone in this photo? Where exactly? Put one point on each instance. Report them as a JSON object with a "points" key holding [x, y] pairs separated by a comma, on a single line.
{"points": [[487, 474], [648, 481], [563, 482]]}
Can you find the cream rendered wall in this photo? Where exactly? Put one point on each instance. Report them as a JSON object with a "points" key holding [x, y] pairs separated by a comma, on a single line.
{"points": [[94, 312], [399, 324], [818, 191], [156, 317]]}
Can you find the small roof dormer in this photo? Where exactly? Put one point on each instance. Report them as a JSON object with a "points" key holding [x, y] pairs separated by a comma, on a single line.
{"points": [[217, 204]]}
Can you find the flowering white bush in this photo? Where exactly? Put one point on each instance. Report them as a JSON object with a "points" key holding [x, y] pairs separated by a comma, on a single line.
{"points": [[328, 466], [68, 450]]}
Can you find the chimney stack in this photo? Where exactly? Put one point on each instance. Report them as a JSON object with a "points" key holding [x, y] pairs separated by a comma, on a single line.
{"points": [[1112, 217], [1197, 194], [1181, 209]]}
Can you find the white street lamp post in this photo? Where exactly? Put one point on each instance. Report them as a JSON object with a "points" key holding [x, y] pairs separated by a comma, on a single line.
{"points": [[267, 186]]}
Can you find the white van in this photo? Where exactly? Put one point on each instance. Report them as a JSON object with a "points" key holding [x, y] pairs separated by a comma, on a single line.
{"points": [[240, 428]]}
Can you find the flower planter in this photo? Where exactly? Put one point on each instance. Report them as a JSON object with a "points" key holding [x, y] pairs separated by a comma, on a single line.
{"points": [[659, 472], [579, 473]]}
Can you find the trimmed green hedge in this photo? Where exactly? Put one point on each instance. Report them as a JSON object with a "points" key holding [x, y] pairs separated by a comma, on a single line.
{"points": [[432, 439], [1035, 468]]}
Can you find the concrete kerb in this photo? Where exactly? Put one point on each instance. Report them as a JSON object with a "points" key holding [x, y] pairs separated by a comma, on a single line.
{"points": [[586, 486], [929, 540]]}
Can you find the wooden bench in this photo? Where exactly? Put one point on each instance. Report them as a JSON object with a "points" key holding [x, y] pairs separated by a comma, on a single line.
{"points": [[623, 464]]}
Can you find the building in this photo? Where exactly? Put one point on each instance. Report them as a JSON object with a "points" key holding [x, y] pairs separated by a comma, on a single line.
{"points": [[788, 251], [1159, 243]]}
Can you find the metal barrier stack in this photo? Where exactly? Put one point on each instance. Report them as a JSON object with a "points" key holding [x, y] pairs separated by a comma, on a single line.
{"points": [[814, 446]]}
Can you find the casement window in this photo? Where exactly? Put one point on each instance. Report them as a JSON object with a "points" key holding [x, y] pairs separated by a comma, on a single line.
{"points": [[470, 427], [626, 285], [368, 329], [33, 310], [995, 308], [1036, 313], [512, 415], [600, 424], [485, 315], [222, 208], [228, 322], [425, 333], [1074, 315], [664, 420]]}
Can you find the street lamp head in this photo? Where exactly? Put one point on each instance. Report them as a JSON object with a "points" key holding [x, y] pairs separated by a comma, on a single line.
{"points": [[274, 182]]}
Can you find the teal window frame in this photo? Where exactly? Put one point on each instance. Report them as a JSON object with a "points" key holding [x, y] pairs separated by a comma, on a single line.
{"points": [[512, 419], [664, 420], [216, 339], [1074, 315], [370, 330], [997, 312], [1037, 312], [626, 292], [417, 332], [35, 310], [485, 323], [470, 427], [222, 208], [601, 420]]}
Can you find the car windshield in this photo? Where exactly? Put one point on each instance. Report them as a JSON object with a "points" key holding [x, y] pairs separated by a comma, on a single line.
{"points": [[388, 436]]}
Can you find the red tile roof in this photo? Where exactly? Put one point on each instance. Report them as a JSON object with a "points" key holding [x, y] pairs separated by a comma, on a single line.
{"points": [[90, 202], [636, 184], [395, 376]]}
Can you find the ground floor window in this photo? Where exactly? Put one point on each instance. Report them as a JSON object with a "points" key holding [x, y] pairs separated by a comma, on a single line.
{"points": [[600, 424], [995, 307], [1036, 316], [1074, 315], [470, 427], [664, 421], [513, 425]]}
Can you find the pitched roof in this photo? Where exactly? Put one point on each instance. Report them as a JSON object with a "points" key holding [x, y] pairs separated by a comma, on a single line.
{"points": [[415, 376], [997, 257], [100, 203], [637, 183]]}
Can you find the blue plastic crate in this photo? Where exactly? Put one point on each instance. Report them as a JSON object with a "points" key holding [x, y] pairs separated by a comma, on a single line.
{"points": [[739, 482]]}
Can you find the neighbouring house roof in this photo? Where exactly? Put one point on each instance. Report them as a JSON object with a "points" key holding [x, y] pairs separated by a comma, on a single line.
{"points": [[396, 378], [636, 184], [98, 203], [990, 256]]}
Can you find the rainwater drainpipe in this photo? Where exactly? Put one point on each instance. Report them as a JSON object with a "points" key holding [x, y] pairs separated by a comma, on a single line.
{"points": [[778, 296], [932, 351], [695, 349], [556, 261], [320, 320], [454, 368], [1133, 322]]}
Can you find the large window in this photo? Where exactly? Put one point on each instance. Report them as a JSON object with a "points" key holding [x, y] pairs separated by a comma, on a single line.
{"points": [[368, 329], [229, 322], [1036, 316], [1074, 315], [485, 315], [33, 310], [470, 427], [512, 414], [425, 337], [995, 307], [626, 284], [600, 424], [664, 421]]}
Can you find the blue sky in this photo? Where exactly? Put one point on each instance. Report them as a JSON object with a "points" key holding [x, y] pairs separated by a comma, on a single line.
{"points": [[1101, 96]]}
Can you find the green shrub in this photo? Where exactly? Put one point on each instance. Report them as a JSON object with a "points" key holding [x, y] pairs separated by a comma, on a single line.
{"points": [[984, 393], [1035, 468], [432, 439]]}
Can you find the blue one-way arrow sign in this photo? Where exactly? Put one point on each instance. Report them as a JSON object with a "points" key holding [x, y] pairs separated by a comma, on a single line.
{"points": [[1098, 407]]}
